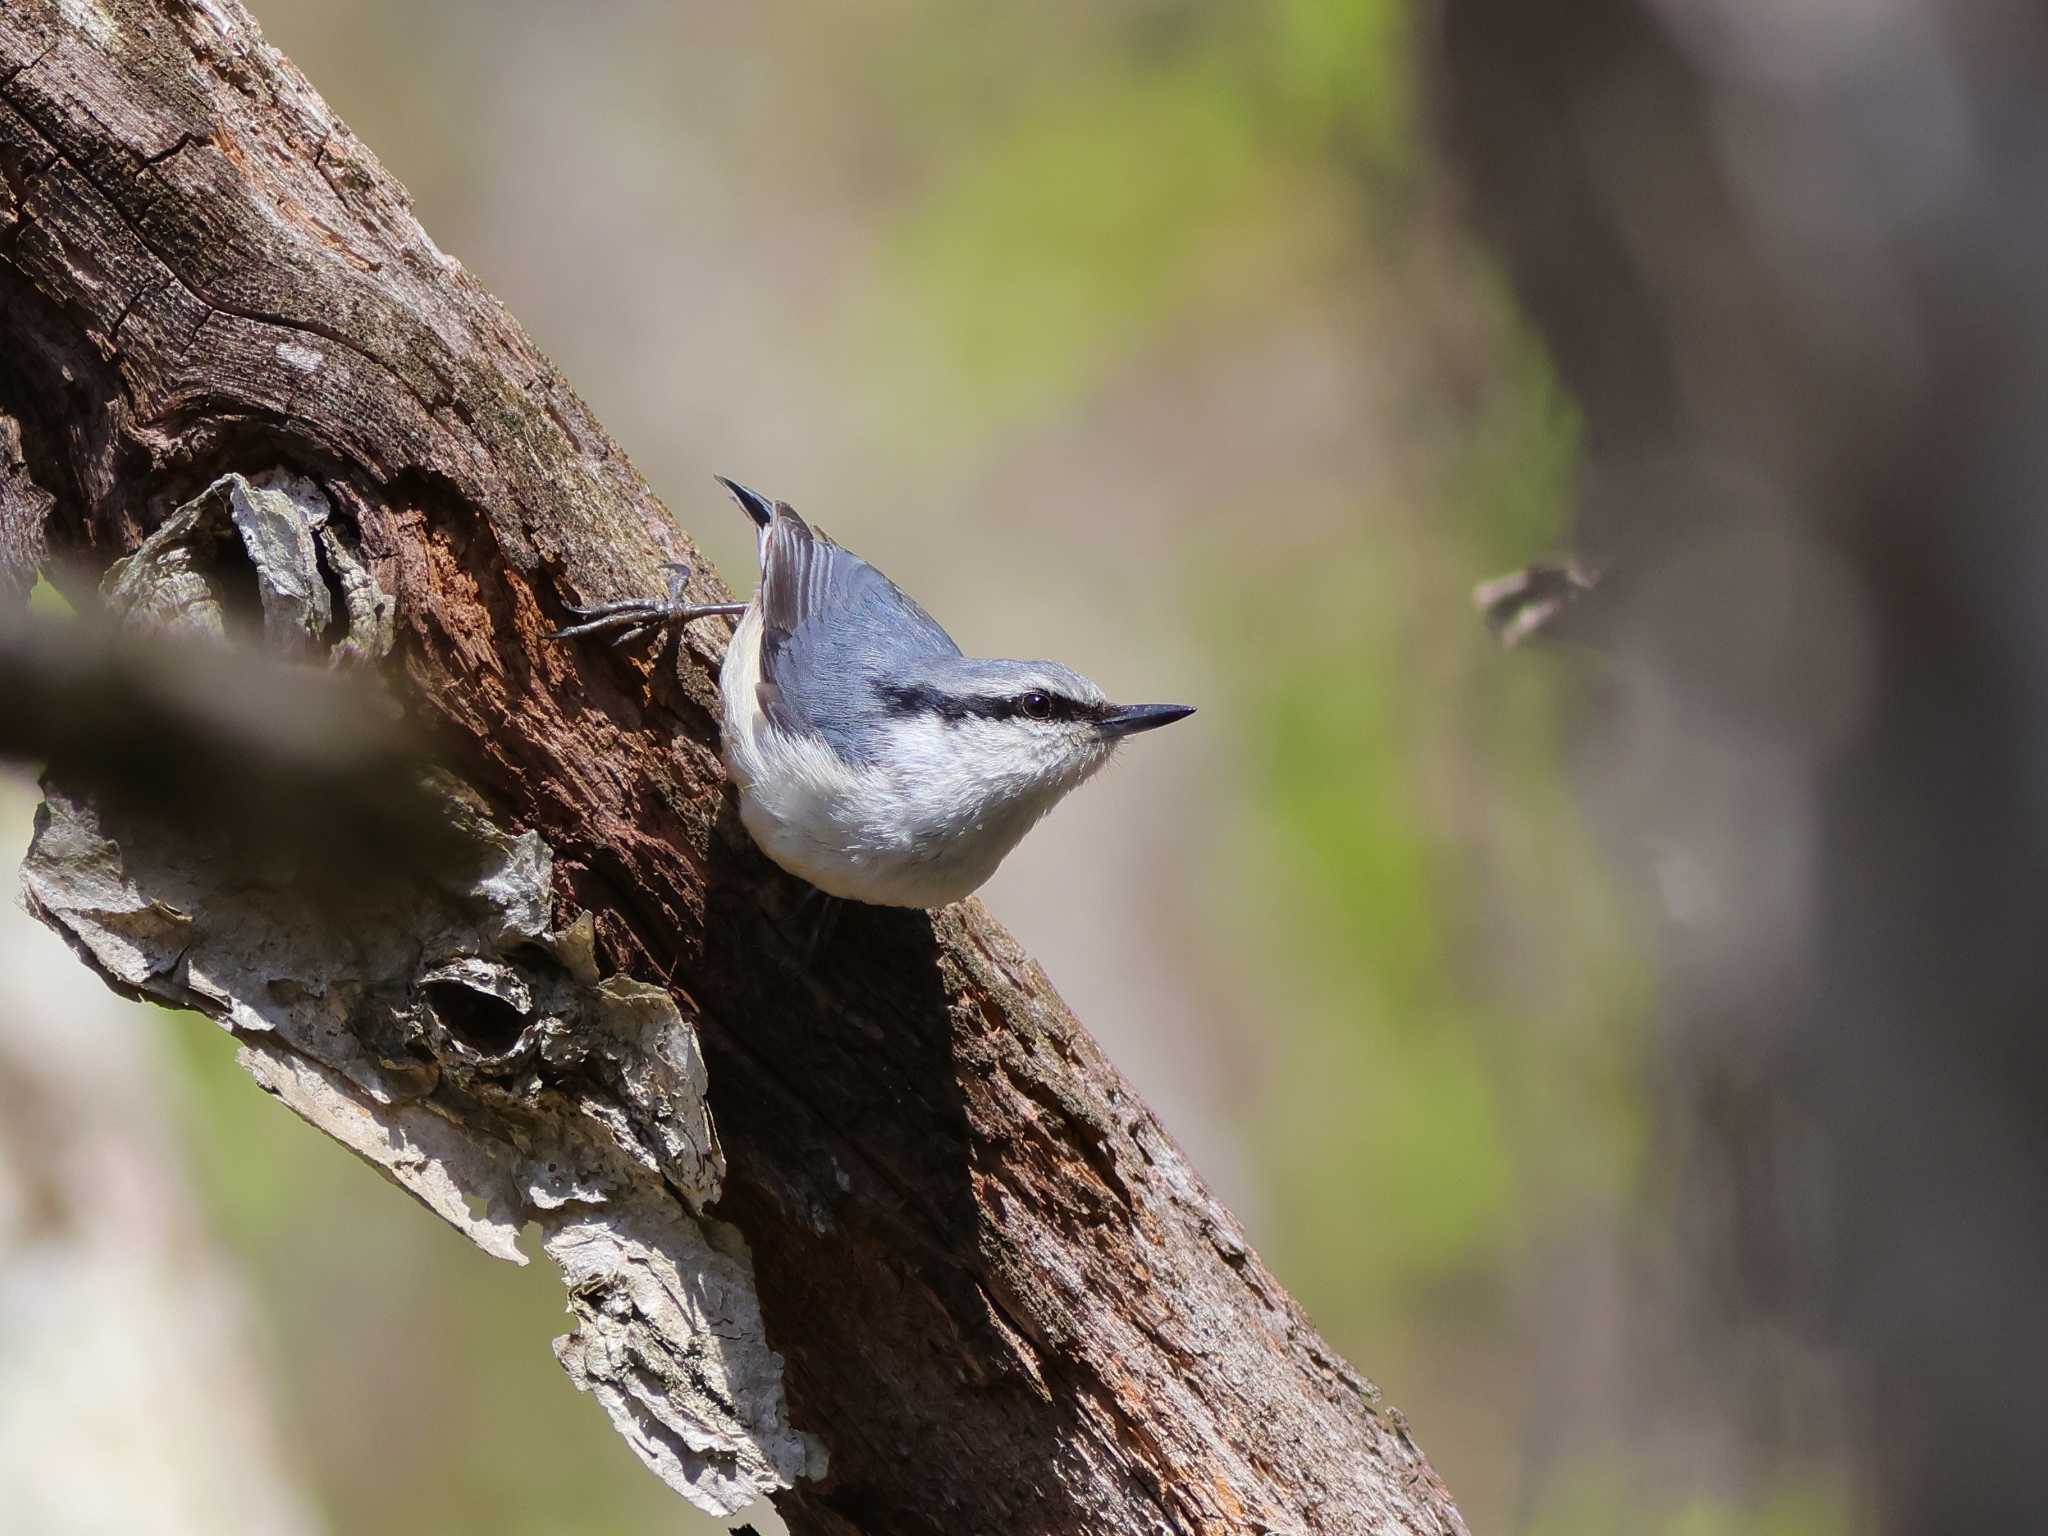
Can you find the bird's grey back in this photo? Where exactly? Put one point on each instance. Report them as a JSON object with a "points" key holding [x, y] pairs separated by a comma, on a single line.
{"points": [[835, 633]]}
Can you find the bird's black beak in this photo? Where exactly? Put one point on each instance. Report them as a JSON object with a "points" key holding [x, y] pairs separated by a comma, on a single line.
{"points": [[1129, 719], [753, 503]]}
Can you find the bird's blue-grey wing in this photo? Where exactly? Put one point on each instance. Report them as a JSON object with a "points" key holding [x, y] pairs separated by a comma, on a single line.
{"points": [[834, 630]]}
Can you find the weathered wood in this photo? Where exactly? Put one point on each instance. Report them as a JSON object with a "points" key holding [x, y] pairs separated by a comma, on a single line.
{"points": [[1004, 1300]]}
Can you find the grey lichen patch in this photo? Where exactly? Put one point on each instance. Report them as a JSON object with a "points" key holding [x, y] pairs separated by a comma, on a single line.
{"points": [[90, 19], [509, 870], [279, 519], [131, 938], [655, 1306], [443, 1028], [280, 524], [370, 613], [465, 1182]]}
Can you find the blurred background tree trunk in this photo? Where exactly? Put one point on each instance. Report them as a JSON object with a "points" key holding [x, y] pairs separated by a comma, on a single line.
{"points": [[1792, 261]]}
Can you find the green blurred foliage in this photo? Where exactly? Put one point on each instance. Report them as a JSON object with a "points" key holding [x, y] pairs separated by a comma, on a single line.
{"points": [[46, 602], [1207, 156], [1600, 1501]]}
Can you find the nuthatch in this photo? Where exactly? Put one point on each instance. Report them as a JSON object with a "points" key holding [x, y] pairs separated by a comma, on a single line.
{"points": [[873, 759]]}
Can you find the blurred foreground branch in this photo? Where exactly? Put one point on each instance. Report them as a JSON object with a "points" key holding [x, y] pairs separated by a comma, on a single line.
{"points": [[959, 1278]]}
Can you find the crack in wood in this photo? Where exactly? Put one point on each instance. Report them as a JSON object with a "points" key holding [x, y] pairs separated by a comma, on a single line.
{"points": [[300, 325]]}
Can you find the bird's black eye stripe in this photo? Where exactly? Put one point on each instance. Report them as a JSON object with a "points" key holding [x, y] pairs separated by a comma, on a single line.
{"points": [[918, 699], [1031, 704]]}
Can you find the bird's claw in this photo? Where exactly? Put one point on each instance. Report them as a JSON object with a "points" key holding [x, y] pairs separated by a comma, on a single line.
{"points": [[633, 615]]}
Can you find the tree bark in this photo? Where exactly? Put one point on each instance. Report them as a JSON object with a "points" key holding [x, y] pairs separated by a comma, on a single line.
{"points": [[1000, 1298]]}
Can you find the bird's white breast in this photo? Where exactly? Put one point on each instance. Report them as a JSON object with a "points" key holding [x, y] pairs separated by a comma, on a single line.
{"points": [[923, 831]]}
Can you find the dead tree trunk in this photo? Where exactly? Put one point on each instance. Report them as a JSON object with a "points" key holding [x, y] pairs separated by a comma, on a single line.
{"points": [[997, 1297]]}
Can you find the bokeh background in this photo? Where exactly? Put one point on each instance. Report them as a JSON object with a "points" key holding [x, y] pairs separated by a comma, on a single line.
{"points": [[1153, 335]]}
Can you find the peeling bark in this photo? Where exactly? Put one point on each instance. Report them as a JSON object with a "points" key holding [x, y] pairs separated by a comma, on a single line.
{"points": [[440, 1029], [1000, 1298]]}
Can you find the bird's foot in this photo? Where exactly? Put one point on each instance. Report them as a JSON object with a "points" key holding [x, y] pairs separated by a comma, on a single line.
{"points": [[824, 913], [635, 616]]}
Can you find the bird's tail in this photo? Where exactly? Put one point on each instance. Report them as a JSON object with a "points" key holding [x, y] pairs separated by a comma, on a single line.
{"points": [[753, 503]]}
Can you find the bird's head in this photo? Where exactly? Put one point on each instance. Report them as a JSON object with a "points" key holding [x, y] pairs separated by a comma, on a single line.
{"points": [[1011, 731]]}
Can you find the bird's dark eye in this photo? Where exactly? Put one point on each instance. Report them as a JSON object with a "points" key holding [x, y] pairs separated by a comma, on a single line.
{"points": [[1035, 705]]}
